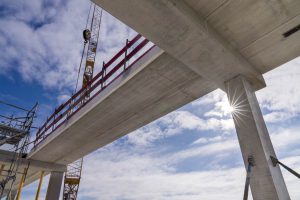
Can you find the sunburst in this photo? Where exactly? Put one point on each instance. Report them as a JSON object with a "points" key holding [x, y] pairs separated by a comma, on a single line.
{"points": [[238, 106]]}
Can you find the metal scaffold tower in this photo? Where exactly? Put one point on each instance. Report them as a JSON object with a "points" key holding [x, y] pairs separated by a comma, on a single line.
{"points": [[15, 133], [72, 180], [73, 174]]}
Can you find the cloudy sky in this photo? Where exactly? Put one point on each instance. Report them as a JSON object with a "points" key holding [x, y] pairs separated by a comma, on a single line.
{"points": [[191, 153]]}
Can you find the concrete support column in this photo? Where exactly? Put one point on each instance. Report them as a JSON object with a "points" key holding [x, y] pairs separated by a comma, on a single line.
{"points": [[54, 185], [266, 181]]}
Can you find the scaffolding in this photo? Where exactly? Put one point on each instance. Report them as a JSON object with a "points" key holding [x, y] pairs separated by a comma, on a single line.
{"points": [[14, 133], [72, 180]]}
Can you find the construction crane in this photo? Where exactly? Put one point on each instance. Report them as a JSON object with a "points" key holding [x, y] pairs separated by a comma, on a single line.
{"points": [[91, 35]]}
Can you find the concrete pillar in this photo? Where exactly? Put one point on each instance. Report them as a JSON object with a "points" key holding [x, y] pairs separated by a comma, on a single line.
{"points": [[266, 181], [54, 185]]}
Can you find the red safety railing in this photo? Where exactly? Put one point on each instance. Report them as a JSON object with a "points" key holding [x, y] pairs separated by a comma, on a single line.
{"points": [[109, 72]]}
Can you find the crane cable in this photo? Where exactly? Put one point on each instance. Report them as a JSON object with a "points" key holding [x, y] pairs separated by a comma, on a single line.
{"points": [[84, 46]]}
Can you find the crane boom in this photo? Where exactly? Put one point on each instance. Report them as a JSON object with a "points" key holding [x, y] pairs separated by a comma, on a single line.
{"points": [[92, 47], [73, 174]]}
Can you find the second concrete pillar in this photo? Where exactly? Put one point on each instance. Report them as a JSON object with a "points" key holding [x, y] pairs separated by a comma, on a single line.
{"points": [[54, 185]]}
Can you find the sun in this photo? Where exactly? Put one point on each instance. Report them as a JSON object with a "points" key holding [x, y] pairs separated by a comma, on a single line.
{"points": [[226, 108], [230, 109]]}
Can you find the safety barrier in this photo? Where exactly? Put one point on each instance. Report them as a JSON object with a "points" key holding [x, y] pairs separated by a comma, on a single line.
{"points": [[111, 70]]}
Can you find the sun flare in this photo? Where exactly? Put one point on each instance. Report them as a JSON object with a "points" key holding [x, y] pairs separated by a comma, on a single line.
{"points": [[230, 109], [227, 108]]}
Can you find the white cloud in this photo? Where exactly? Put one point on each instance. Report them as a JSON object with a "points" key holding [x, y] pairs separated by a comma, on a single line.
{"points": [[117, 172], [285, 138], [208, 140], [190, 121], [43, 54], [123, 174], [161, 186], [120, 173], [146, 135], [207, 150], [281, 96], [176, 123], [62, 98], [50, 55], [43, 40], [282, 93], [277, 116], [212, 97]]}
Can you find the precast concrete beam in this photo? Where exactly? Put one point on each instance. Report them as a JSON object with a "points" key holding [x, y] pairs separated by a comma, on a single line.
{"points": [[54, 185], [266, 181], [185, 34], [7, 156], [154, 86], [33, 173]]}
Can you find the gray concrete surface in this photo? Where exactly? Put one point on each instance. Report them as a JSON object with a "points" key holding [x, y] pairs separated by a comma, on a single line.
{"points": [[220, 40], [266, 181], [54, 186], [33, 173], [217, 39], [153, 87], [203, 44], [186, 36]]}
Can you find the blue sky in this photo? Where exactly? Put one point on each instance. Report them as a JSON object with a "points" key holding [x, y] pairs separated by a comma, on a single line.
{"points": [[191, 153]]}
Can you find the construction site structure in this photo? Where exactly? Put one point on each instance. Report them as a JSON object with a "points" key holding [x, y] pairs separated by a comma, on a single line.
{"points": [[15, 135], [72, 180], [91, 36], [195, 48]]}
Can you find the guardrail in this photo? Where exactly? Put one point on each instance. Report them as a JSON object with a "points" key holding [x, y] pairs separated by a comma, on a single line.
{"points": [[109, 72]]}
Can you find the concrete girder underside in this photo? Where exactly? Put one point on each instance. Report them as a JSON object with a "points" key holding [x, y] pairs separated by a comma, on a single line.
{"points": [[217, 39], [33, 173], [203, 45], [153, 87], [197, 57]]}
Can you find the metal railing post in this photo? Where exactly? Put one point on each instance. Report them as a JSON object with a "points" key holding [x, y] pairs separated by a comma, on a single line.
{"points": [[126, 48], [103, 75], [54, 119]]}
